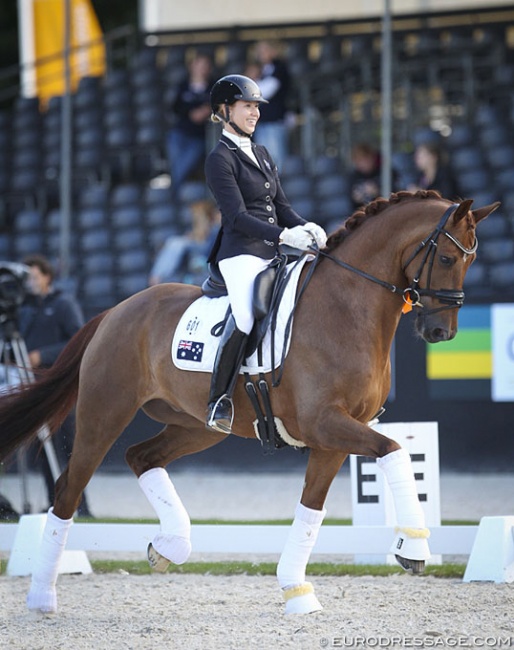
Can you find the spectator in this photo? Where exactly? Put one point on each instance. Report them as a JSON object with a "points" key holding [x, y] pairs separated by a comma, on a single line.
{"points": [[190, 112], [274, 82], [47, 321], [433, 172], [365, 175], [182, 257]]}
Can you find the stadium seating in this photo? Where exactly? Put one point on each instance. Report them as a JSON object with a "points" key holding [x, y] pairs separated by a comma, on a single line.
{"points": [[120, 217]]}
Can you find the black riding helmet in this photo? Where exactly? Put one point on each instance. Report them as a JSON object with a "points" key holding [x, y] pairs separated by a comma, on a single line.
{"points": [[228, 90]]}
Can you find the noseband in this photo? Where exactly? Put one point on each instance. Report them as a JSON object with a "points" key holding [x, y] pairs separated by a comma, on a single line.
{"points": [[451, 298]]}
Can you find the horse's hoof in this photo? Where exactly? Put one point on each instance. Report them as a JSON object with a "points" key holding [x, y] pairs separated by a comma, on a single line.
{"points": [[156, 561], [412, 566], [42, 600], [301, 600]]}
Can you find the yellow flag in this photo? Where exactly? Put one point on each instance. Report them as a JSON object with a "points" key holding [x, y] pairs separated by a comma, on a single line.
{"points": [[87, 50]]}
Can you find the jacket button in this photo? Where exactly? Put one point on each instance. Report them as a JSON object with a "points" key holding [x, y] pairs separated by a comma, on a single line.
{"points": [[271, 219], [269, 208], [268, 198], [267, 185]]}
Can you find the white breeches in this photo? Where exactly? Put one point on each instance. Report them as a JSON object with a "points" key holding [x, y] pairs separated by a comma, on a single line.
{"points": [[239, 274]]}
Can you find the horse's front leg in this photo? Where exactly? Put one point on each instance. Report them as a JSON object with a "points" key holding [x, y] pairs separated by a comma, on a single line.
{"points": [[299, 594], [410, 545]]}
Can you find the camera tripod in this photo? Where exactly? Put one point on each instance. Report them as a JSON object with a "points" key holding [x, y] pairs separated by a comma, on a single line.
{"points": [[18, 370]]}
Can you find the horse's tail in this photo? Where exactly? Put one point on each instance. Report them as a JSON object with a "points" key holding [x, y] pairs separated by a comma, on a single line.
{"points": [[47, 401]]}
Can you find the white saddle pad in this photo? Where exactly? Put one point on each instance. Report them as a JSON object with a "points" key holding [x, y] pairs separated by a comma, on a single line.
{"points": [[194, 346]]}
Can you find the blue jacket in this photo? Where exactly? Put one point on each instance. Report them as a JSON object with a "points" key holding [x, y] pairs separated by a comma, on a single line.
{"points": [[253, 206], [47, 324]]}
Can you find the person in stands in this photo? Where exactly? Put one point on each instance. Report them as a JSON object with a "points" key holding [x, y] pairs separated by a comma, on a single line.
{"points": [[47, 320], [433, 172], [189, 115], [182, 257], [365, 174], [256, 217], [274, 82]]}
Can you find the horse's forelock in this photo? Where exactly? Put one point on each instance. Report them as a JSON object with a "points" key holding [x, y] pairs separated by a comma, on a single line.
{"points": [[372, 209]]}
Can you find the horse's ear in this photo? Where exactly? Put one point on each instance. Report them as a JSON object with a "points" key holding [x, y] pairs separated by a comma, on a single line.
{"points": [[482, 213], [462, 210]]}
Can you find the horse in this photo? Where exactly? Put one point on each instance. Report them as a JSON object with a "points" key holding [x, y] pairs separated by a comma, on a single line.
{"points": [[408, 252]]}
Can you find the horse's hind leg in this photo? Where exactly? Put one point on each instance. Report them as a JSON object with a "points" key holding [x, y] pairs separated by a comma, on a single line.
{"points": [[97, 429], [299, 594], [147, 460]]}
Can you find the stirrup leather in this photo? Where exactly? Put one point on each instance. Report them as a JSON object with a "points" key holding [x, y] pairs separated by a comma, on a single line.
{"points": [[216, 423]]}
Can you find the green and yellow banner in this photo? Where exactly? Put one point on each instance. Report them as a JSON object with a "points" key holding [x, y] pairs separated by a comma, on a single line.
{"points": [[463, 367]]}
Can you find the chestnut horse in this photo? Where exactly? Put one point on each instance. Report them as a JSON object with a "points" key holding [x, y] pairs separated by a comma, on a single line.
{"points": [[411, 250]]}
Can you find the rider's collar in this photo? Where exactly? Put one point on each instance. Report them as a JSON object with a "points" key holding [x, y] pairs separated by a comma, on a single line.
{"points": [[242, 143]]}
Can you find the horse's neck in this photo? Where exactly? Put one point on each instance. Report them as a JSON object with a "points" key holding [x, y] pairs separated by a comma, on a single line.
{"points": [[346, 306]]}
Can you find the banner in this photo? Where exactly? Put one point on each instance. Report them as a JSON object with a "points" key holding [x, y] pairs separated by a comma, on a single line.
{"points": [[42, 32], [503, 353], [478, 364]]}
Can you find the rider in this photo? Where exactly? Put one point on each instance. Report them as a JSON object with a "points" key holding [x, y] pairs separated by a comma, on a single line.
{"points": [[255, 218]]}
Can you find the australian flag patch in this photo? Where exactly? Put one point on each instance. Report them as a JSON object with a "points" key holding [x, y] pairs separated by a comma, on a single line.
{"points": [[190, 350]]}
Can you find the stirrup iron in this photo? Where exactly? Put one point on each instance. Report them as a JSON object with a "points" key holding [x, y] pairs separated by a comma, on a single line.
{"points": [[217, 424]]}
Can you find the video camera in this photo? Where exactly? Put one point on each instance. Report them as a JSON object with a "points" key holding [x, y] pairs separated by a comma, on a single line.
{"points": [[13, 288]]}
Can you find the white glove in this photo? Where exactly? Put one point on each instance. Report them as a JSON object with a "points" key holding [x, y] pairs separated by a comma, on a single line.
{"points": [[296, 237], [317, 232]]}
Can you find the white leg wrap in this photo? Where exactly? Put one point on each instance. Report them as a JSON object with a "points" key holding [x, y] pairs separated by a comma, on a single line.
{"points": [[411, 539], [298, 594], [42, 595], [173, 542]]}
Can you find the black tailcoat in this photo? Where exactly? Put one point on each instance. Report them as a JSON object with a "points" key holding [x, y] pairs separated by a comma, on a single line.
{"points": [[253, 206]]}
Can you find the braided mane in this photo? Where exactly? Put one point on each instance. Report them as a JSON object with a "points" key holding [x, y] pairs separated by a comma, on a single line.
{"points": [[371, 210]]}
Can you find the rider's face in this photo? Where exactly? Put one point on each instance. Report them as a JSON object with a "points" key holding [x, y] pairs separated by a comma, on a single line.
{"points": [[245, 115]]}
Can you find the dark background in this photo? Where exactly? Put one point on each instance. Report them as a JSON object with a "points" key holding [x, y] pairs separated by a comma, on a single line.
{"points": [[475, 435]]}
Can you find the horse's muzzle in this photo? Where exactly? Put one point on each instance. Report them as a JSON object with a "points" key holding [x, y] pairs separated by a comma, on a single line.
{"points": [[434, 329]]}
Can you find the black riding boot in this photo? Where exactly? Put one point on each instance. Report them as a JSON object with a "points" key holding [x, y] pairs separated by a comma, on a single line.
{"points": [[227, 364]]}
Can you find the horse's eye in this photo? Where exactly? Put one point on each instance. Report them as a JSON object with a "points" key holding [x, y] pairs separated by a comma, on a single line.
{"points": [[446, 261]]}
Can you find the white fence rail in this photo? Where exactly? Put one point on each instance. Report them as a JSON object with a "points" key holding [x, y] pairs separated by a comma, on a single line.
{"points": [[252, 539]]}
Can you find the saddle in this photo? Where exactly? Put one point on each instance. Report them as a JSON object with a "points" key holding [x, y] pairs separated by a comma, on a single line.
{"points": [[268, 289], [267, 293]]}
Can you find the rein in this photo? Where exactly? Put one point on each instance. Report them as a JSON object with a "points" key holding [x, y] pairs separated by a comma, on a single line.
{"points": [[451, 298]]}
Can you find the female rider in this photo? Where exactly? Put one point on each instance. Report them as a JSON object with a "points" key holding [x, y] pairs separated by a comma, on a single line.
{"points": [[255, 218]]}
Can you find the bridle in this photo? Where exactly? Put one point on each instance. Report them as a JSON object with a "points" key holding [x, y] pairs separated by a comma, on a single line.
{"points": [[450, 298]]}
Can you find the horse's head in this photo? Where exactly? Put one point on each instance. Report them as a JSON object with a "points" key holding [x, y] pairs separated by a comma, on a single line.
{"points": [[436, 268]]}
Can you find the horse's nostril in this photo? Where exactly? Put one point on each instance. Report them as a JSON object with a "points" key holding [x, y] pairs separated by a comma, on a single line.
{"points": [[439, 334]]}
